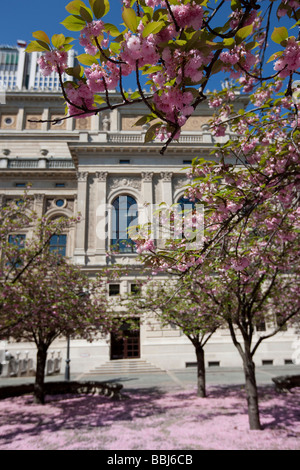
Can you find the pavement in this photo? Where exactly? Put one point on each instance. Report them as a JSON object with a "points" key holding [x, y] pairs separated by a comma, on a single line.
{"points": [[171, 379]]}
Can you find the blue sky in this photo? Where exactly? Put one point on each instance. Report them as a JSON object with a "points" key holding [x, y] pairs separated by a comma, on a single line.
{"points": [[19, 18]]}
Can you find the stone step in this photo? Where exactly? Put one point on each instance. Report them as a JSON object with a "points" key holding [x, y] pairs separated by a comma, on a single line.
{"points": [[125, 366]]}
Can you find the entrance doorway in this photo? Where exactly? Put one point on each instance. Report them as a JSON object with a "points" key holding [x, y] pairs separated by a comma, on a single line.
{"points": [[125, 344]]}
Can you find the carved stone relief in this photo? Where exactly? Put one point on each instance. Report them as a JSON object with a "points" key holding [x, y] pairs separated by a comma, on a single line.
{"points": [[8, 121], [83, 124], [33, 125], [194, 123], [115, 182]]}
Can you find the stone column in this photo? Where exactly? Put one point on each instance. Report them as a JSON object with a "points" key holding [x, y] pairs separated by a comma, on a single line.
{"points": [[167, 198], [80, 237], [101, 213], [146, 212], [39, 204], [20, 119]]}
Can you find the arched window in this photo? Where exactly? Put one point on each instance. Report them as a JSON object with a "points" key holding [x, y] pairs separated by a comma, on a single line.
{"points": [[124, 216]]}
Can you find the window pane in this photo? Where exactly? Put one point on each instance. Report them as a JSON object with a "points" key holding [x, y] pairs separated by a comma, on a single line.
{"points": [[124, 215], [114, 289], [58, 243]]}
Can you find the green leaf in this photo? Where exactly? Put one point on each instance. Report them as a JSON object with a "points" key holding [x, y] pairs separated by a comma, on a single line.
{"points": [[275, 56], [243, 33], [111, 29], [68, 47], [153, 69], [58, 40], [68, 40], [41, 36], [99, 100], [76, 71], [279, 34], [130, 19], [73, 24], [153, 28], [100, 7], [135, 95], [141, 121], [229, 42], [74, 7], [115, 47], [86, 14], [87, 59], [37, 46], [151, 132]]}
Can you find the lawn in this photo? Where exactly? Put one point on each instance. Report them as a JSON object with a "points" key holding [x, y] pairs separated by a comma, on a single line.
{"points": [[151, 419]]}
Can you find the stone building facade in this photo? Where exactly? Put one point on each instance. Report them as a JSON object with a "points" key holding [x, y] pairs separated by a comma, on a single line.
{"points": [[80, 166]]}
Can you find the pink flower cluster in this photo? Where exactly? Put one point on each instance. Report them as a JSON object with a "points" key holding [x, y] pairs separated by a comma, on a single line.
{"points": [[290, 59], [238, 54], [89, 32], [240, 264], [138, 48], [81, 98], [193, 61], [147, 245], [99, 78], [189, 15], [51, 61], [175, 104], [155, 3]]}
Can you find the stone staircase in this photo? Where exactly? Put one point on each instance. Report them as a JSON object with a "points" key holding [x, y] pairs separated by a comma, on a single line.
{"points": [[125, 366]]}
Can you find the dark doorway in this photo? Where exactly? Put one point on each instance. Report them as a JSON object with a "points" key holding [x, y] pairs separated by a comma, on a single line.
{"points": [[125, 344]]}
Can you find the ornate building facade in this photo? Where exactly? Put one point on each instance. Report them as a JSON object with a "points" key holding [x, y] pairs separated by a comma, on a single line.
{"points": [[84, 165]]}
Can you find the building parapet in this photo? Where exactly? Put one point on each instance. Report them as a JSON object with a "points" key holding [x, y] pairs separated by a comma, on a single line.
{"points": [[17, 163]]}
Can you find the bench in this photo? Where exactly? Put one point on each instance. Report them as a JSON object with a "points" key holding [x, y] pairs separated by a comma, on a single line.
{"points": [[285, 383], [56, 388]]}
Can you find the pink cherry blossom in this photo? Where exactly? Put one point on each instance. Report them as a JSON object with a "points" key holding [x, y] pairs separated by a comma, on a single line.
{"points": [[52, 61]]}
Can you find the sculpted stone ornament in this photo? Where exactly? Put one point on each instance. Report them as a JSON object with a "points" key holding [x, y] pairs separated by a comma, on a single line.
{"points": [[101, 175], [166, 176], [147, 176], [82, 176]]}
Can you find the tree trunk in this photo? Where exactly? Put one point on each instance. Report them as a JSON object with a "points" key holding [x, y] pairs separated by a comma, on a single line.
{"points": [[39, 388], [201, 388], [252, 394]]}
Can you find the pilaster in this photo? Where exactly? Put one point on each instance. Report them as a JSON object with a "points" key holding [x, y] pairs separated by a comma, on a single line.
{"points": [[101, 213], [80, 238]]}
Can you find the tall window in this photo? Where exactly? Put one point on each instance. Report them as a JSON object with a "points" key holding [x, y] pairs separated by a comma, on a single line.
{"points": [[58, 244], [124, 215], [186, 209], [18, 241]]}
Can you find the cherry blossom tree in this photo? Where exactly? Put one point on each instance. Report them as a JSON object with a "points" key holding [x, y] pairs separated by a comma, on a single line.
{"points": [[44, 296], [54, 299], [251, 274], [185, 305]]}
